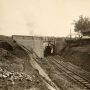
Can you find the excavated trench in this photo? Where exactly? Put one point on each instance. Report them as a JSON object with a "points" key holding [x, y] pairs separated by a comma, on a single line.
{"points": [[21, 69]]}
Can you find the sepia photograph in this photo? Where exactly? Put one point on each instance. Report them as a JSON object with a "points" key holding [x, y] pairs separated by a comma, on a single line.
{"points": [[44, 44]]}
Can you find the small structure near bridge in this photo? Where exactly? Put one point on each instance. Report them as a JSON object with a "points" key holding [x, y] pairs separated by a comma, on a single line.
{"points": [[86, 32]]}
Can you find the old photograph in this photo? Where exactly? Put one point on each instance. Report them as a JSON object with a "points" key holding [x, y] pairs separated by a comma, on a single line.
{"points": [[44, 44]]}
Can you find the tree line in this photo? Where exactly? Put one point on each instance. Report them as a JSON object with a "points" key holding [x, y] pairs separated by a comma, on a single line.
{"points": [[82, 24]]}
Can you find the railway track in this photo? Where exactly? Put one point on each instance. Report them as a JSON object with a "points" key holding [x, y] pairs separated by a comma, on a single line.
{"points": [[49, 84], [61, 66], [76, 69], [69, 72]]}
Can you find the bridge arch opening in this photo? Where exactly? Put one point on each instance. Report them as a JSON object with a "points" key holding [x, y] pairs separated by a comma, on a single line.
{"points": [[49, 50]]}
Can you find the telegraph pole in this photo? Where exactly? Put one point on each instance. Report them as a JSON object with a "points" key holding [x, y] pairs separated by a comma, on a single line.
{"points": [[70, 34]]}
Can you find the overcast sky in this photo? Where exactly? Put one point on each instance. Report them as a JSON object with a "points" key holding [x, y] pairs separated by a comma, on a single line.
{"points": [[41, 17]]}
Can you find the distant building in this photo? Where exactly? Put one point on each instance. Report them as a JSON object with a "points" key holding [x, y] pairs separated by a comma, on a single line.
{"points": [[86, 32]]}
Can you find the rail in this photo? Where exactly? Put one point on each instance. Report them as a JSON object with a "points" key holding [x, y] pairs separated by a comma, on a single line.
{"points": [[69, 73]]}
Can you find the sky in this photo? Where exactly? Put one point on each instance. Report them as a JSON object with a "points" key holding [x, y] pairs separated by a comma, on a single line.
{"points": [[41, 17]]}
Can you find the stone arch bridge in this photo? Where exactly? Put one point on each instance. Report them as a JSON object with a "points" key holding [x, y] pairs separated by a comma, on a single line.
{"points": [[39, 44]]}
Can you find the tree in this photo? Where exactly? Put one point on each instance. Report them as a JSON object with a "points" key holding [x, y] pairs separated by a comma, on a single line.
{"points": [[82, 24]]}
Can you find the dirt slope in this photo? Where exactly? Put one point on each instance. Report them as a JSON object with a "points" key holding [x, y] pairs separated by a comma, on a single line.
{"points": [[79, 56], [16, 73]]}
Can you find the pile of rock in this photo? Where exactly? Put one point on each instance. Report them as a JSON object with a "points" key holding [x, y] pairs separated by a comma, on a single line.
{"points": [[11, 78]]}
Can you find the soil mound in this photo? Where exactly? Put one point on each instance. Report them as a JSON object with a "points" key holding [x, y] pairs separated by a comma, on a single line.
{"points": [[16, 72]]}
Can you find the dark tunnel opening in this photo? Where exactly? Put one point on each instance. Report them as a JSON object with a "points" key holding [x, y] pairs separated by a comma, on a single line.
{"points": [[49, 50]]}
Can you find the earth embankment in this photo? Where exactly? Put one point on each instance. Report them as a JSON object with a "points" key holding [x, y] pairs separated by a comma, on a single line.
{"points": [[78, 55]]}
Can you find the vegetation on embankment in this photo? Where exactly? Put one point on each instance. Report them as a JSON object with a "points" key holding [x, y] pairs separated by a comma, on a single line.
{"points": [[78, 55]]}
